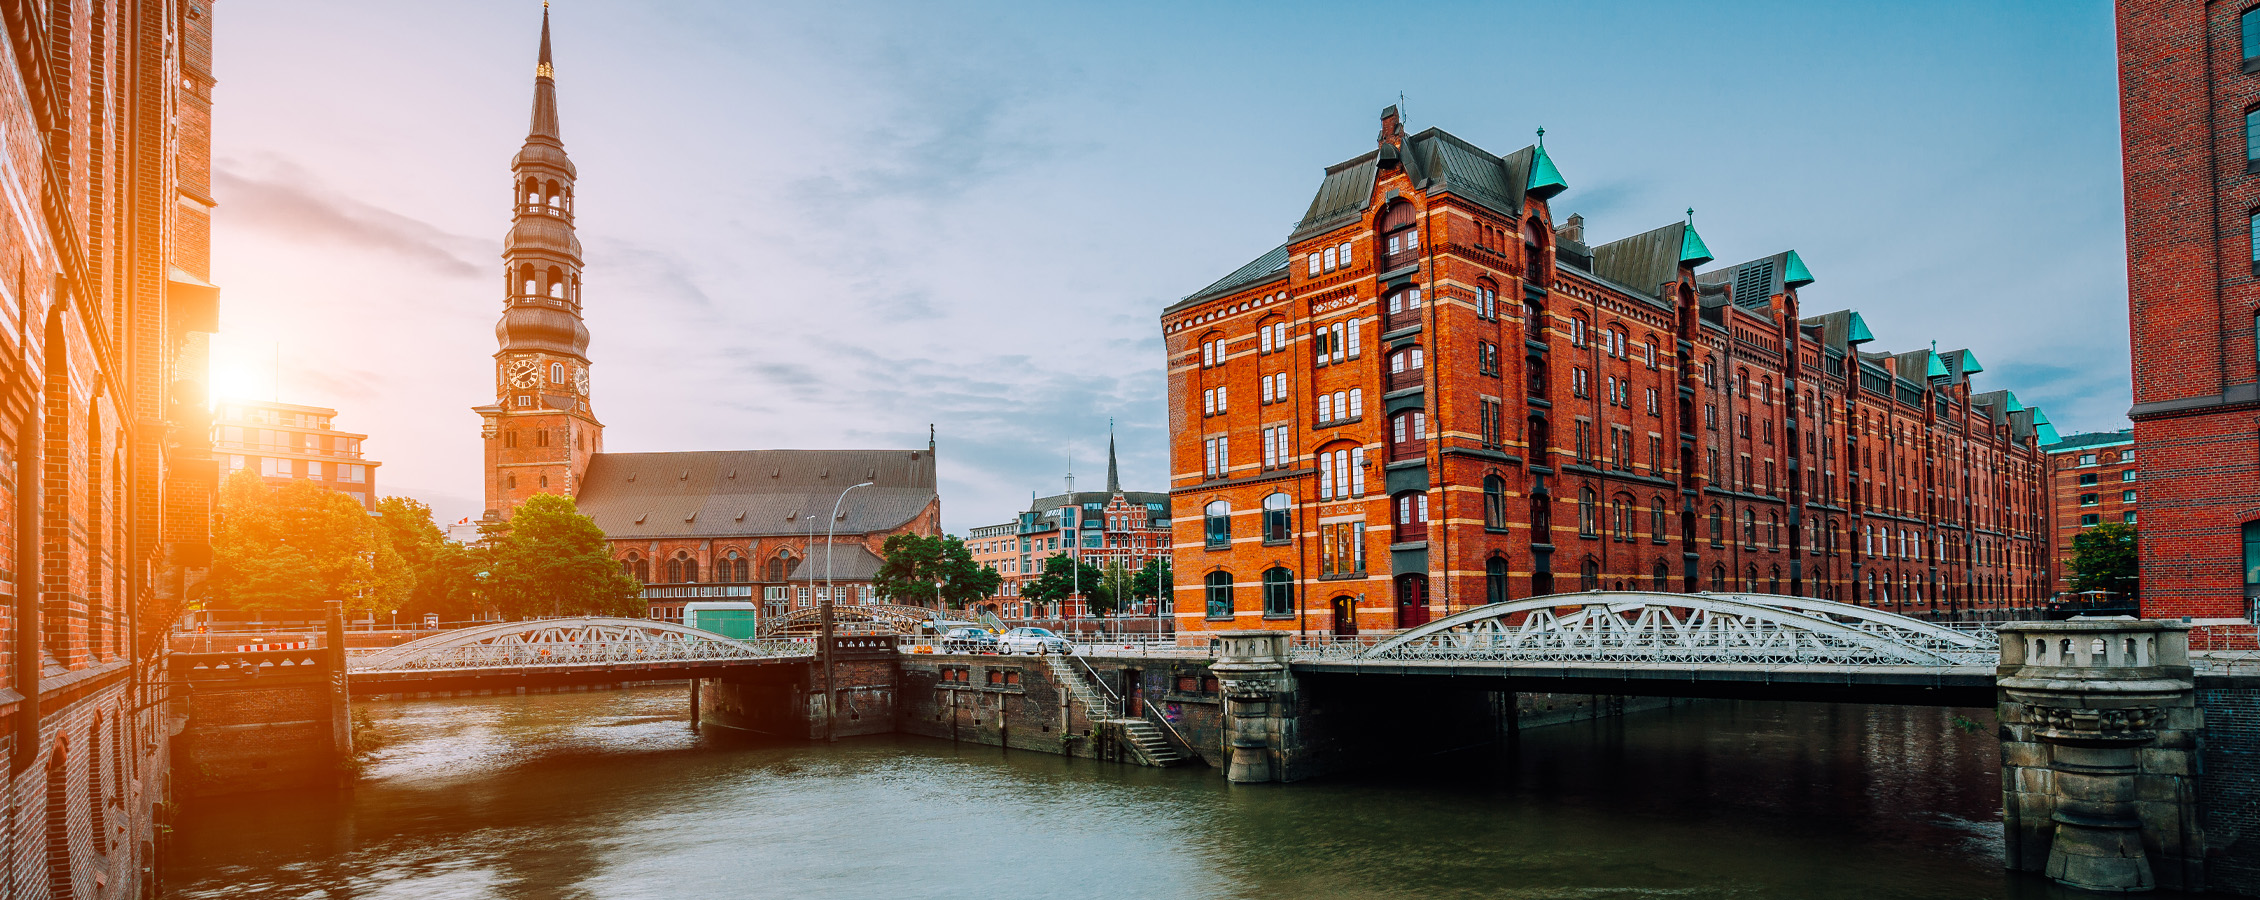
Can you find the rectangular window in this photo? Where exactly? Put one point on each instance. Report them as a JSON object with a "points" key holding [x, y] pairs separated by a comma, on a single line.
{"points": [[1330, 263], [1345, 249], [276, 468], [2087, 459], [1219, 400], [1325, 408], [2087, 480], [1263, 338], [2089, 519], [2088, 500], [1314, 265], [1208, 402], [1339, 342], [1357, 402], [2127, 475], [2126, 496], [2127, 517], [1711, 416], [1263, 395]]}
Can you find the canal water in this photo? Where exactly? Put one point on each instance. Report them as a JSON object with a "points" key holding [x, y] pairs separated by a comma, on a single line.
{"points": [[604, 795]]}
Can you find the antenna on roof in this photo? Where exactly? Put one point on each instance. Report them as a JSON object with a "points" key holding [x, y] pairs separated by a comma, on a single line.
{"points": [[1400, 106]]}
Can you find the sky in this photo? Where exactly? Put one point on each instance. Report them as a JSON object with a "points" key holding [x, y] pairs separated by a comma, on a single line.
{"points": [[835, 224]]}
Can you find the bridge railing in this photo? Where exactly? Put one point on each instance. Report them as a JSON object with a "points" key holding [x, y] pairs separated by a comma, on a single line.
{"points": [[521, 655]]}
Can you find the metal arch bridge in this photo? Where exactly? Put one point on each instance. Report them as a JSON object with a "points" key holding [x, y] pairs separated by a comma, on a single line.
{"points": [[1704, 644], [570, 643], [860, 618]]}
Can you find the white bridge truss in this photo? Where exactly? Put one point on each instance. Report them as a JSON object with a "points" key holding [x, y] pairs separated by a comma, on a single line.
{"points": [[1621, 627], [569, 642]]}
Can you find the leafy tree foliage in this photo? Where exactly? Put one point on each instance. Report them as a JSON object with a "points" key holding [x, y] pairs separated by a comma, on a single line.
{"points": [[445, 572], [2103, 559], [917, 569], [550, 560], [1151, 581], [299, 546], [1063, 575]]}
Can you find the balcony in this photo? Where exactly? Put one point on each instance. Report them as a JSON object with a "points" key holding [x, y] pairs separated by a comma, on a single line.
{"points": [[1397, 381]]}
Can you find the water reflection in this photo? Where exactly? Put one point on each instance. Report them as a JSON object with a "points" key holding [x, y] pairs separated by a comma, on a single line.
{"points": [[612, 795]]}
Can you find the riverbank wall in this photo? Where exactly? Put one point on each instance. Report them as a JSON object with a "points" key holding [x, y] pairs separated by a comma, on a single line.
{"points": [[1338, 723]]}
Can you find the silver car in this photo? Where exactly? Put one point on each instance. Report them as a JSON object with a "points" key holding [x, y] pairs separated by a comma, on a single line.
{"points": [[1033, 641]]}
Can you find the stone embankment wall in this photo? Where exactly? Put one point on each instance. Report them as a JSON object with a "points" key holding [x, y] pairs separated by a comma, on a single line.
{"points": [[1016, 701], [256, 722]]}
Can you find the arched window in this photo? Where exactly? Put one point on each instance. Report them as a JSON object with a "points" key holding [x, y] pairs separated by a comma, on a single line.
{"points": [[1494, 502], [1718, 579], [1718, 525], [738, 566], [1773, 581], [1278, 523], [674, 571], [1541, 517], [1656, 524], [1585, 513], [1400, 235], [556, 283], [1660, 577], [1773, 530], [1218, 518], [556, 373], [690, 570], [1219, 590], [1750, 579], [1278, 592], [526, 274], [1495, 580], [643, 571], [1749, 528], [1589, 575]]}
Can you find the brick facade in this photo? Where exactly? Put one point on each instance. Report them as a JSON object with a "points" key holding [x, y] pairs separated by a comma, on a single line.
{"points": [[2092, 480], [2186, 85], [1436, 396], [106, 473]]}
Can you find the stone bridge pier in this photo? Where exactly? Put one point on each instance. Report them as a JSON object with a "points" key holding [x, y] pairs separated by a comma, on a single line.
{"points": [[2100, 738]]}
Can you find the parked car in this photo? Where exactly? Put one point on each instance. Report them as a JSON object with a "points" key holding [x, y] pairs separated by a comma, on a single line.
{"points": [[969, 639], [1033, 641]]}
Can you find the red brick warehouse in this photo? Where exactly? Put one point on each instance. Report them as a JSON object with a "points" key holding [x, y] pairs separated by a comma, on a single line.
{"points": [[1435, 396], [2189, 97]]}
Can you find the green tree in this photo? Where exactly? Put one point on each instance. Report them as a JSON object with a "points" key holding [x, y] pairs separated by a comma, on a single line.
{"points": [[2103, 559], [445, 581], [918, 569], [299, 546], [1063, 575], [1151, 581], [550, 560]]}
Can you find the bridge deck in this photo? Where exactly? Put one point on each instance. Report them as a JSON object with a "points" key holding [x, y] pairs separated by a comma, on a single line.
{"points": [[1914, 685]]}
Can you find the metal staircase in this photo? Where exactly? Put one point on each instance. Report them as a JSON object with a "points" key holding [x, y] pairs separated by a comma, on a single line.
{"points": [[1141, 735]]}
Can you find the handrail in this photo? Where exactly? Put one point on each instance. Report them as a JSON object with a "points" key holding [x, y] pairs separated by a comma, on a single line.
{"points": [[1148, 712], [1120, 708], [1101, 682]]}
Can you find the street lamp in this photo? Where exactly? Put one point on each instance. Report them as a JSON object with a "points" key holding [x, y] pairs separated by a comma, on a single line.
{"points": [[831, 694]]}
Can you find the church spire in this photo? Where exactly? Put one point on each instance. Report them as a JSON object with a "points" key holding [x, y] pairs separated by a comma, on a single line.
{"points": [[545, 90], [1113, 471]]}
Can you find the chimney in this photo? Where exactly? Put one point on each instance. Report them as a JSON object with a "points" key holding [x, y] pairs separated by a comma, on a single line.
{"points": [[1392, 129], [1572, 231]]}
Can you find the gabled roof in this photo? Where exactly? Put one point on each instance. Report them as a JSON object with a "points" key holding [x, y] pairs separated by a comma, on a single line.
{"points": [[1840, 330], [1263, 268], [1454, 166], [1346, 190], [1757, 281], [1644, 261], [1135, 498], [743, 493]]}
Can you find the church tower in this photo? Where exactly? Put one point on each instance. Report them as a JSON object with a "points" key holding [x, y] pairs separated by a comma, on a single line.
{"points": [[540, 432]]}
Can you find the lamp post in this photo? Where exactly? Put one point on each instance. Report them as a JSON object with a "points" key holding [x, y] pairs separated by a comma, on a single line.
{"points": [[831, 694]]}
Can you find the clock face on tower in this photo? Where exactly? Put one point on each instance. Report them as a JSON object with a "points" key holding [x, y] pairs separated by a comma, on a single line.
{"points": [[581, 380], [525, 373]]}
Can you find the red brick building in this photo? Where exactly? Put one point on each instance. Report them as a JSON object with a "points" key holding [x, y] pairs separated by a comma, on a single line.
{"points": [[2092, 480], [1435, 395], [704, 525], [286, 442], [2189, 79], [105, 511], [1110, 528]]}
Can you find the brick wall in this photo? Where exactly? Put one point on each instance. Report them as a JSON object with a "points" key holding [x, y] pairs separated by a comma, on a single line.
{"points": [[255, 722], [1027, 709]]}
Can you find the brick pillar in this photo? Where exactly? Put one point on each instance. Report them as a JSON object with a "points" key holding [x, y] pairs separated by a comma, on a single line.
{"points": [[2099, 769]]}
